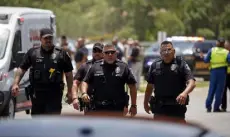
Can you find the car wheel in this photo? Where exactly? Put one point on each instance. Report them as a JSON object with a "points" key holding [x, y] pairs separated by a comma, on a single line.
{"points": [[9, 110]]}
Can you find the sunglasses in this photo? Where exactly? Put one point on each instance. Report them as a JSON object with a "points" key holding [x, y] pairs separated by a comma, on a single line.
{"points": [[109, 52], [97, 51], [166, 51]]}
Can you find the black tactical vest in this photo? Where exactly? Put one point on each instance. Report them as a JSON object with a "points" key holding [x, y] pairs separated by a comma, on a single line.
{"points": [[108, 81], [46, 68], [169, 81]]}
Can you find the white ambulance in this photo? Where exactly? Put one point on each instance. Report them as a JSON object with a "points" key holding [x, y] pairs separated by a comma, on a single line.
{"points": [[19, 31]]}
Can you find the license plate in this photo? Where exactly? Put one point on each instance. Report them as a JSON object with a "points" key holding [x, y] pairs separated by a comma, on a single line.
{"points": [[202, 65]]}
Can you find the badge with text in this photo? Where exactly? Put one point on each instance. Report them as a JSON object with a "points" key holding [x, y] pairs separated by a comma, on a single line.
{"points": [[173, 67], [53, 56], [117, 70]]}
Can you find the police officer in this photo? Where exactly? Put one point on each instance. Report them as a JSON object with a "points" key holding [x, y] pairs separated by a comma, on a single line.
{"points": [[169, 76], [47, 63], [227, 85], [218, 57], [82, 71], [108, 78]]}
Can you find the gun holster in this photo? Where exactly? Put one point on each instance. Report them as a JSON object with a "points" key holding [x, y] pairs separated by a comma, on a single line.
{"points": [[153, 104], [81, 103], [29, 92], [84, 105]]}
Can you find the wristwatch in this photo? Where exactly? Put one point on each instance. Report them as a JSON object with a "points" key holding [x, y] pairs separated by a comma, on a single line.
{"points": [[134, 106], [83, 93]]}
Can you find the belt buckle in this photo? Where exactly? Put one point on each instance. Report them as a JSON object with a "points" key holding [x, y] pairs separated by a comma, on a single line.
{"points": [[104, 102]]}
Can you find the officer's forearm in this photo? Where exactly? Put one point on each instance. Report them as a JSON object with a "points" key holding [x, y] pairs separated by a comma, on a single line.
{"points": [[75, 88], [84, 87], [191, 85], [148, 92], [69, 80], [18, 76], [133, 93]]}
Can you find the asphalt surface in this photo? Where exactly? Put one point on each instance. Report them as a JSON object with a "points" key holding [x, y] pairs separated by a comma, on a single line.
{"points": [[218, 122]]}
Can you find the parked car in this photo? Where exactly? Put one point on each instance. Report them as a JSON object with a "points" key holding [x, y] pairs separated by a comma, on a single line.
{"points": [[100, 125], [201, 68], [189, 50]]}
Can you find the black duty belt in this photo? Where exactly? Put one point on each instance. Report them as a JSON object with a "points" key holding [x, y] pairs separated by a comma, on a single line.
{"points": [[109, 102], [166, 102]]}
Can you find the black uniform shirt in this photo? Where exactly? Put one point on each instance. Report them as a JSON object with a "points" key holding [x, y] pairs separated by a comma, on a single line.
{"points": [[81, 72], [66, 64], [186, 71], [108, 80]]}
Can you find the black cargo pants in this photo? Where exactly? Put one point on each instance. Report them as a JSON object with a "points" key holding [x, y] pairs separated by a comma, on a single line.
{"points": [[170, 112], [47, 102], [224, 98], [108, 108]]}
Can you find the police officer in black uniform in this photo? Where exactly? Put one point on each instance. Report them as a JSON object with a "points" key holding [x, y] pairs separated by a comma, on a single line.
{"points": [[81, 73], [48, 63], [108, 78], [173, 81]]}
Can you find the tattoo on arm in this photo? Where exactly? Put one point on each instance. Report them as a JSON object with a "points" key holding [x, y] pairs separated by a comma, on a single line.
{"points": [[18, 76]]}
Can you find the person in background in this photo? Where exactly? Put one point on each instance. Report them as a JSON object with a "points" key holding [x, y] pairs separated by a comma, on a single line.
{"points": [[218, 57], [227, 85], [82, 53]]}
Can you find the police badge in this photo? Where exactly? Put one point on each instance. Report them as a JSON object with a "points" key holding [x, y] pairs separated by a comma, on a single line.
{"points": [[117, 70], [173, 67], [53, 56]]}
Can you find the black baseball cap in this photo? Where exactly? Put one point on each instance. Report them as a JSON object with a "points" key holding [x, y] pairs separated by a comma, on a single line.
{"points": [[98, 46], [221, 40], [46, 33]]}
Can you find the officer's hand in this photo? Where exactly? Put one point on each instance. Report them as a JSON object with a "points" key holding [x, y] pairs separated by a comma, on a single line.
{"points": [[181, 99], [201, 55], [85, 98], [133, 111], [68, 98], [147, 108], [125, 111], [15, 90], [76, 104]]}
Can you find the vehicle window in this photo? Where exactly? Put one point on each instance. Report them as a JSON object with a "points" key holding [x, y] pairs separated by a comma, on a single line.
{"points": [[4, 35], [204, 46], [17, 46], [183, 46], [153, 48]]}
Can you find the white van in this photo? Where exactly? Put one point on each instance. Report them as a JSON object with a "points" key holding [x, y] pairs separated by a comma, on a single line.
{"points": [[19, 31]]}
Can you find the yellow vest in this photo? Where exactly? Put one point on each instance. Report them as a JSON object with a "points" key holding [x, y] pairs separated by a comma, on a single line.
{"points": [[228, 69], [218, 57]]}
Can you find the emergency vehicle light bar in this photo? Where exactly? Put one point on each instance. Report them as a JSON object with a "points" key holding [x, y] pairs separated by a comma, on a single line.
{"points": [[184, 38]]}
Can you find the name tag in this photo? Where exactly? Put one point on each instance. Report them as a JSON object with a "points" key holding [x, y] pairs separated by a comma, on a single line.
{"points": [[39, 60], [99, 73]]}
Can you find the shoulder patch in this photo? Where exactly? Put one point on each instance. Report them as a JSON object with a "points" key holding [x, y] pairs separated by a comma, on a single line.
{"points": [[157, 60]]}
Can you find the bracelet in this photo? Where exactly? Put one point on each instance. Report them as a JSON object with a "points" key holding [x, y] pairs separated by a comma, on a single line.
{"points": [[134, 106], [83, 93]]}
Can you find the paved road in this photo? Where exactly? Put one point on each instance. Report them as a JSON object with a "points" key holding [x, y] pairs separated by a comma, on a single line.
{"points": [[219, 122]]}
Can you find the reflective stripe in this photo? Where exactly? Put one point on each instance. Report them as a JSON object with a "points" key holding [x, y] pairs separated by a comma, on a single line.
{"points": [[228, 69], [218, 57]]}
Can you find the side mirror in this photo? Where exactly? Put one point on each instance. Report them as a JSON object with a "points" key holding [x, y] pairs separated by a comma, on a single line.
{"points": [[19, 58]]}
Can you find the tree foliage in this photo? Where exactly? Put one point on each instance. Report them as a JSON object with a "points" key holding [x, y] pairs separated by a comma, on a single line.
{"points": [[136, 18]]}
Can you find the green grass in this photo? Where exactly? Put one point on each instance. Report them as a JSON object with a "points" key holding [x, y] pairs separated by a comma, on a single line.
{"points": [[202, 84]]}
